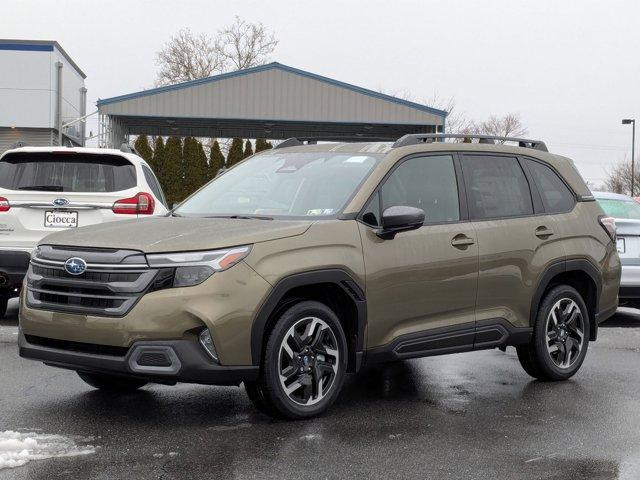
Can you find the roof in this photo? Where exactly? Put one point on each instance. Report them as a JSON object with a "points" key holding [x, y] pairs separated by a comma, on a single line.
{"points": [[271, 66], [269, 101], [38, 46], [94, 151]]}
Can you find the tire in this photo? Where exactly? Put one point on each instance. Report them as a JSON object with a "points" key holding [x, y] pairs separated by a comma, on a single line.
{"points": [[257, 397], [111, 383], [4, 302], [560, 336], [307, 344]]}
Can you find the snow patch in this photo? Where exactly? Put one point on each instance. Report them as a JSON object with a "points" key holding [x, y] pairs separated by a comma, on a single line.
{"points": [[17, 449]]}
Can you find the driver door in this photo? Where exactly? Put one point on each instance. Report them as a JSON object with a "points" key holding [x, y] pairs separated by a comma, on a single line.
{"points": [[421, 285]]}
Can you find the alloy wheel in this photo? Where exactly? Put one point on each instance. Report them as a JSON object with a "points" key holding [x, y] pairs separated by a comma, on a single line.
{"points": [[308, 361], [565, 333]]}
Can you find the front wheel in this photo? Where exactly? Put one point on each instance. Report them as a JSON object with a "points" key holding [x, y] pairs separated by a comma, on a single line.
{"points": [[4, 302], [560, 336], [304, 363], [112, 383]]}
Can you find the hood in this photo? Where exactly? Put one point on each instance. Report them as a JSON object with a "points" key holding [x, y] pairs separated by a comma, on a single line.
{"points": [[178, 234], [627, 226]]}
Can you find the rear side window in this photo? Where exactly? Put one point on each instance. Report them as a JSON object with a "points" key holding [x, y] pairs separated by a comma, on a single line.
{"points": [[496, 187], [66, 172], [428, 183], [556, 196], [154, 185]]}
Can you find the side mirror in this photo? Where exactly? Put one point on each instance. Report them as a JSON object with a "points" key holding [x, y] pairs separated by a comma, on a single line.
{"points": [[400, 219]]}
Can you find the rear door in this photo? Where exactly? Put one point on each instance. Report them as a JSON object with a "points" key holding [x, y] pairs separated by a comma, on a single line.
{"points": [[53, 191], [516, 238]]}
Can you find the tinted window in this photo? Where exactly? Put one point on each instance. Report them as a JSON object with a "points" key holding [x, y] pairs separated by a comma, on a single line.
{"points": [[66, 172], [496, 187], [555, 194], [428, 183], [153, 184], [371, 213]]}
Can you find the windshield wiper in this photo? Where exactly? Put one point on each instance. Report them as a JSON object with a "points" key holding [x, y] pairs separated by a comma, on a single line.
{"points": [[44, 188]]}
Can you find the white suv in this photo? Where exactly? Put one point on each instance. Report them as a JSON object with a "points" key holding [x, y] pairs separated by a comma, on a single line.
{"points": [[48, 189]]}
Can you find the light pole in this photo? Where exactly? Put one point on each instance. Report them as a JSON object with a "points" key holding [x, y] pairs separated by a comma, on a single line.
{"points": [[632, 121]]}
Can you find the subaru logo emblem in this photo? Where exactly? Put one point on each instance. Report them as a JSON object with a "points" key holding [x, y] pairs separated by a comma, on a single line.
{"points": [[75, 266], [61, 202]]}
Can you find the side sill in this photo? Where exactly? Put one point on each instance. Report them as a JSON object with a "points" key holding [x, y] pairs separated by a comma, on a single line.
{"points": [[492, 333]]}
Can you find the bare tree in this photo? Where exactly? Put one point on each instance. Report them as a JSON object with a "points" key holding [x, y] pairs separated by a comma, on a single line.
{"points": [[456, 122], [509, 125], [243, 45], [187, 57], [619, 179]]}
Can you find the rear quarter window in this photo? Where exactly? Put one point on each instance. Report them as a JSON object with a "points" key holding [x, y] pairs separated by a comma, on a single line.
{"points": [[66, 172], [556, 196]]}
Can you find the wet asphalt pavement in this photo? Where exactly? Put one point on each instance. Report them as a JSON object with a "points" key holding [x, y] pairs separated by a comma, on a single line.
{"points": [[474, 415]]}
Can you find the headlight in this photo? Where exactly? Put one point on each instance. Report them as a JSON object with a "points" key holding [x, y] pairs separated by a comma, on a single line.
{"points": [[193, 268]]}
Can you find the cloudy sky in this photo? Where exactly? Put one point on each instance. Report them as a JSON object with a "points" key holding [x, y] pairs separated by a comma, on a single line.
{"points": [[571, 68]]}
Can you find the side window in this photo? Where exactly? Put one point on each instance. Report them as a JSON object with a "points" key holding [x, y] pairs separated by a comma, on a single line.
{"points": [[496, 187], [428, 183], [371, 213], [556, 196], [154, 184]]}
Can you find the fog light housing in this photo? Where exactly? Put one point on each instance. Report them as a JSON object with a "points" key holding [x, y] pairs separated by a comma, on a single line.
{"points": [[191, 276], [207, 343]]}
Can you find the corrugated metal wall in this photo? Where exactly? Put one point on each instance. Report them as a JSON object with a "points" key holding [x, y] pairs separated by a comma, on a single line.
{"points": [[32, 137], [272, 94]]}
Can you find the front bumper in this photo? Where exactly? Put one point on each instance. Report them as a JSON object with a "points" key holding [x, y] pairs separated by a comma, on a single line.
{"points": [[13, 267], [188, 361]]}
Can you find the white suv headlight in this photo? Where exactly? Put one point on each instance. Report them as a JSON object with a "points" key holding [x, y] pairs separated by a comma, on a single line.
{"points": [[193, 268]]}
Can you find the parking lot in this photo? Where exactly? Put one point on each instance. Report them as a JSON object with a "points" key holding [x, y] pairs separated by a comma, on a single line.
{"points": [[475, 415]]}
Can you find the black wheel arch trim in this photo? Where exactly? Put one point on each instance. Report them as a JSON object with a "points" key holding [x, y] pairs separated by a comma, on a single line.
{"points": [[338, 277], [565, 266]]}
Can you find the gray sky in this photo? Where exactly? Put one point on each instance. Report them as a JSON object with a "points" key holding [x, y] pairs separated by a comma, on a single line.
{"points": [[571, 68]]}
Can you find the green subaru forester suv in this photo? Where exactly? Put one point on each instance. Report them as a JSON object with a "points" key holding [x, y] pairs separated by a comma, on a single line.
{"points": [[304, 263]]}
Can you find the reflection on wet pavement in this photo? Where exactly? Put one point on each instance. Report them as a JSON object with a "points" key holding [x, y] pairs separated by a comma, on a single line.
{"points": [[473, 415]]}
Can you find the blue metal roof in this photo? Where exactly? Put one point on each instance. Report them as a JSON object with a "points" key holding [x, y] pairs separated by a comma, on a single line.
{"points": [[269, 66]]}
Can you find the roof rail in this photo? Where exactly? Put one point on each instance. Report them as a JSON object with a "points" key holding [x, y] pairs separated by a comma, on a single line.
{"points": [[416, 138]]}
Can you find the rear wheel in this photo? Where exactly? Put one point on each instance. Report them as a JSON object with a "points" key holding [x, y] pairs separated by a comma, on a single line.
{"points": [[111, 383], [304, 363], [560, 336]]}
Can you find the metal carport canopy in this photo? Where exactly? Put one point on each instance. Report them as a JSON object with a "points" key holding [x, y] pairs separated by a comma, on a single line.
{"points": [[272, 101]]}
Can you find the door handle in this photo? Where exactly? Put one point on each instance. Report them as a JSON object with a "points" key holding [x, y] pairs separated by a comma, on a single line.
{"points": [[461, 241], [543, 232]]}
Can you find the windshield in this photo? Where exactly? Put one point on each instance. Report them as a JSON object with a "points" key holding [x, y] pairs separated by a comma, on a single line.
{"points": [[313, 184], [66, 172], [620, 208]]}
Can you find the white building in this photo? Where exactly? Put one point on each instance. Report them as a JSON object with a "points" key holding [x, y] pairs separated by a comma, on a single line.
{"points": [[41, 88]]}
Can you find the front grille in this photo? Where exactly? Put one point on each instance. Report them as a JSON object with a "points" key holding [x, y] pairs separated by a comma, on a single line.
{"points": [[111, 285], [88, 276], [77, 346]]}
